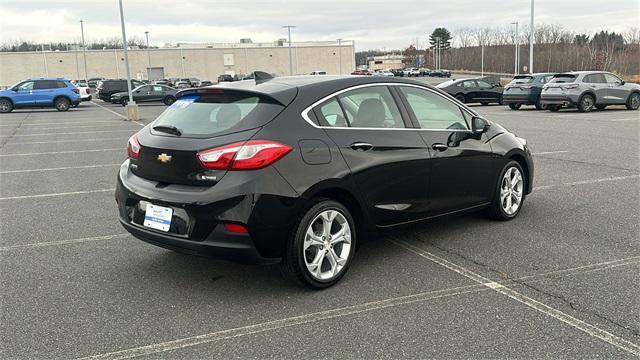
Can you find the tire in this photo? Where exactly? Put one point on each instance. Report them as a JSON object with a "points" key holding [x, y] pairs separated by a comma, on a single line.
{"points": [[515, 106], [601, 107], [461, 98], [6, 106], [484, 103], [553, 108], [586, 103], [300, 264], [62, 104], [500, 100], [633, 102], [169, 100], [505, 205], [124, 101], [540, 106]]}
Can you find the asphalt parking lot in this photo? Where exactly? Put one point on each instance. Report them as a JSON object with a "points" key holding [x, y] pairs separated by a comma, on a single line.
{"points": [[561, 280]]}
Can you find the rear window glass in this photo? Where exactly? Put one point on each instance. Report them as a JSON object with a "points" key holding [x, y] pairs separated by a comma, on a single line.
{"points": [[521, 80], [208, 115], [563, 79]]}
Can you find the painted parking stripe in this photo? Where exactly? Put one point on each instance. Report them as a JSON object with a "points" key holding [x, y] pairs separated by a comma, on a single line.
{"points": [[56, 194], [585, 182], [78, 132], [116, 113], [35, 125], [551, 152], [62, 242], [585, 327], [59, 168], [73, 127], [65, 141], [62, 152]]}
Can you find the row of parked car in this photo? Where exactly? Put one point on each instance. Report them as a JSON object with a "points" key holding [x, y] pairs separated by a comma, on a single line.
{"points": [[584, 90], [406, 72]]}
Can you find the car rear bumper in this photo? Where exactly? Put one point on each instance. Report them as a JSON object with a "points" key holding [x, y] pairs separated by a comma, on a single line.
{"points": [[528, 99], [562, 100]]}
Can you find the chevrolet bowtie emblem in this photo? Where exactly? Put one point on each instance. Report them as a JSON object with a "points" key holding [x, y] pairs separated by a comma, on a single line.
{"points": [[164, 157]]}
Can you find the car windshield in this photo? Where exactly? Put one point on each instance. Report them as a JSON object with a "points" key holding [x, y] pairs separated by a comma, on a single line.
{"points": [[563, 78], [208, 115]]}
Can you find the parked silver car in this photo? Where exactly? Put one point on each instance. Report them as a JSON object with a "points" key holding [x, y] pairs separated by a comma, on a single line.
{"points": [[588, 90]]}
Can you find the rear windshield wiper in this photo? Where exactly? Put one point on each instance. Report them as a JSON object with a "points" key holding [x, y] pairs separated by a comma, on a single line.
{"points": [[169, 129]]}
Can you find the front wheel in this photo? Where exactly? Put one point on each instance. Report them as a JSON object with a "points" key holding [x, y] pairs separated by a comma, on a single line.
{"points": [[461, 98], [633, 103], [62, 104], [124, 101], [586, 103], [509, 194], [540, 106], [6, 106], [515, 106], [320, 251], [169, 100]]}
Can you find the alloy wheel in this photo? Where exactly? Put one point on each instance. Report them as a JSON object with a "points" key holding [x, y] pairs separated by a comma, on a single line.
{"points": [[4, 106], [587, 103], [327, 245], [511, 191], [635, 101]]}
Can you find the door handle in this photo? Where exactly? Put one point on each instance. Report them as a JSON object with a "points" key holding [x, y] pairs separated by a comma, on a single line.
{"points": [[361, 146], [439, 147]]}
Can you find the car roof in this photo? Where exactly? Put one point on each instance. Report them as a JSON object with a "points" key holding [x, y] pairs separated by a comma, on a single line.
{"points": [[49, 78]]}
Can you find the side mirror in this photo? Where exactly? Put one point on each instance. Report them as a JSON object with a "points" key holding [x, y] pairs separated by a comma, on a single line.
{"points": [[622, 82], [479, 125]]}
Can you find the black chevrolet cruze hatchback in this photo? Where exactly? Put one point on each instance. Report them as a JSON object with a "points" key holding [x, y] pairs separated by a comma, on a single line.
{"points": [[295, 170]]}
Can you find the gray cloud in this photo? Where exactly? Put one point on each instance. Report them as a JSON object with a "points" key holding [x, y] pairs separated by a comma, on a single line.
{"points": [[372, 24]]}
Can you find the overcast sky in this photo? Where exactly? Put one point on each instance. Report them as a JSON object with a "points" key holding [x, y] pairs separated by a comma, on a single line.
{"points": [[371, 23]]}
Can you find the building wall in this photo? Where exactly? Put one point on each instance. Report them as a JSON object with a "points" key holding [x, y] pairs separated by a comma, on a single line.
{"points": [[205, 64]]}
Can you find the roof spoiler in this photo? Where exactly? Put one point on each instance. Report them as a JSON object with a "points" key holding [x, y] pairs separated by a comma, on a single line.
{"points": [[261, 76]]}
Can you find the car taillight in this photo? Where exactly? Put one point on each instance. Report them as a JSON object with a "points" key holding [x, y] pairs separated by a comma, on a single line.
{"points": [[133, 147], [250, 155], [76, 90]]}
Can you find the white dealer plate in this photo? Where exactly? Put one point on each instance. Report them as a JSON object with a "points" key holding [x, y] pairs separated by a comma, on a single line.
{"points": [[158, 217]]}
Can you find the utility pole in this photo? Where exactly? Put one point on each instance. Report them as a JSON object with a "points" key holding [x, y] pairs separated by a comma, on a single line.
{"points": [[340, 56], [84, 52], [132, 107], [482, 60], [438, 52], [288, 27], [44, 59], [146, 33], [75, 51], [531, 42], [182, 62], [517, 53]]}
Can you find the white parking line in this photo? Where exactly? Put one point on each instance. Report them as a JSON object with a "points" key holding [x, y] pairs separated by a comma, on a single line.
{"points": [[551, 152], [77, 133], [83, 122], [584, 182], [64, 141], [62, 152], [56, 194], [115, 113], [59, 168], [523, 299], [62, 242], [73, 127], [325, 315]]}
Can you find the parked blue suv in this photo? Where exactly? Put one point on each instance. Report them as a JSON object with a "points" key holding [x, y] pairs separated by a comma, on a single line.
{"points": [[44, 92]]}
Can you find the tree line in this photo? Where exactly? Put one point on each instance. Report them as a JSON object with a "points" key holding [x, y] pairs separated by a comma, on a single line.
{"points": [[555, 49], [100, 44]]}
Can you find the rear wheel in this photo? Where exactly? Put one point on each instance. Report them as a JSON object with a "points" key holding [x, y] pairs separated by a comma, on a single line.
{"points": [[124, 101], [553, 108], [515, 106], [500, 100], [461, 98], [509, 194], [62, 104], [586, 103], [169, 100], [320, 251], [540, 106], [6, 106], [633, 103]]}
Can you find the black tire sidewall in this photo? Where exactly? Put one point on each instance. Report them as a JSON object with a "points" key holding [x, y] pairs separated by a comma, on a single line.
{"points": [[582, 100], [294, 260], [60, 101], [169, 100], [461, 98], [629, 106], [10, 106], [515, 106], [496, 207]]}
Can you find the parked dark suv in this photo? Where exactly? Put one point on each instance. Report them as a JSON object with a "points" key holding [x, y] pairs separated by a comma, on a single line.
{"points": [[589, 90], [297, 170], [525, 90], [109, 87]]}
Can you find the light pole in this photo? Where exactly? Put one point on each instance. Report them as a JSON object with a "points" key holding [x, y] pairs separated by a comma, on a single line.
{"points": [[75, 51], [340, 56], [44, 59], [288, 27], [531, 42], [517, 53], [438, 52], [482, 60], [132, 108], [146, 33], [84, 52]]}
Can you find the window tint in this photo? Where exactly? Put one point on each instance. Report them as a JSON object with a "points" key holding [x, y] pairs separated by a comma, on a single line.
{"points": [[469, 84], [594, 79], [25, 86], [144, 89], [210, 115], [483, 84], [371, 107], [434, 111], [46, 84], [612, 79], [563, 78], [330, 114]]}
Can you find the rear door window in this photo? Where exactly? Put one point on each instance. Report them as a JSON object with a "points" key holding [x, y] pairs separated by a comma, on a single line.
{"points": [[371, 107], [330, 114], [469, 84], [209, 115], [45, 84], [594, 79]]}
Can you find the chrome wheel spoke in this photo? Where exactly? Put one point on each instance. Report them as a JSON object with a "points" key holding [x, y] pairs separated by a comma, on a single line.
{"points": [[311, 239], [511, 191], [322, 248]]}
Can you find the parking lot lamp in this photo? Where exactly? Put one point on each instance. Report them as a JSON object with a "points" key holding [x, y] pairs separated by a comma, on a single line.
{"points": [[288, 27], [146, 33], [438, 52], [132, 107], [340, 56], [482, 60], [84, 52], [531, 42], [515, 41]]}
